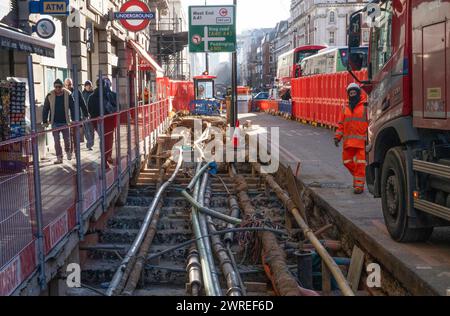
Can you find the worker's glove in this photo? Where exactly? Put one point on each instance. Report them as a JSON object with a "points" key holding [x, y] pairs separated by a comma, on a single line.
{"points": [[337, 142], [44, 125]]}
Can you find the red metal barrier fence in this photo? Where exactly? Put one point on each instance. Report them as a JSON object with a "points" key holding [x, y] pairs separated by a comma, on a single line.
{"points": [[130, 130], [319, 99]]}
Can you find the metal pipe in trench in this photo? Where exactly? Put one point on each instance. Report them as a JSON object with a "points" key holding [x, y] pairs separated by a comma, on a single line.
{"points": [[194, 270], [230, 274], [327, 259], [122, 272], [137, 268], [235, 212], [209, 211], [204, 230], [206, 269]]}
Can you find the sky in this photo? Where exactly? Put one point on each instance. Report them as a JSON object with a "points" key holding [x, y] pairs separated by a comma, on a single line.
{"points": [[251, 14]]}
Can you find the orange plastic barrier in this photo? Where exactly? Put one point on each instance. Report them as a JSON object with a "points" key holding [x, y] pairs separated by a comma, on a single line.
{"points": [[318, 99], [182, 93], [267, 105]]}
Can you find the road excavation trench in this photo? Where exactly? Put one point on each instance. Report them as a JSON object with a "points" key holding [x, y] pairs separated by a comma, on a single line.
{"points": [[263, 256]]}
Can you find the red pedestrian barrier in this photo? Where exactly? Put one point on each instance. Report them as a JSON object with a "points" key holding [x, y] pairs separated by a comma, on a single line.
{"points": [[124, 132]]}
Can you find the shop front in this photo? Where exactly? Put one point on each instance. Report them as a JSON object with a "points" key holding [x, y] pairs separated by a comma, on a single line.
{"points": [[146, 70], [15, 47]]}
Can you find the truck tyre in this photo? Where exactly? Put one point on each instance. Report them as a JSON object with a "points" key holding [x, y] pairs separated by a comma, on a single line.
{"points": [[393, 198]]}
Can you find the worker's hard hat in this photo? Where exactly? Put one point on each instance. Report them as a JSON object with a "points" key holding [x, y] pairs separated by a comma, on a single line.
{"points": [[353, 86]]}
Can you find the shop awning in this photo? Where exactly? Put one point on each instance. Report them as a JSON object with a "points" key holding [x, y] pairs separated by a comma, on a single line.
{"points": [[11, 38], [147, 62]]}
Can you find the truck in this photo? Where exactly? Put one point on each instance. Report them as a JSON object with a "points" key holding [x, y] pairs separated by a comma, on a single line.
{"points": [[408, 87]]}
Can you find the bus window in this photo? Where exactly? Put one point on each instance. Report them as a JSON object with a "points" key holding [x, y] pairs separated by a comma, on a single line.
{"points": [[303, 54], [331, 61]]}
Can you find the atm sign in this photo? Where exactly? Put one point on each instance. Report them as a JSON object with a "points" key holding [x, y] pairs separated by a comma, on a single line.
{"points": [[54, 7]]}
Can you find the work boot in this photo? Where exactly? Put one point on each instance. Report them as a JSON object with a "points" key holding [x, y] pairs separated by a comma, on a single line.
{"points": [[69, 156], [359, 191], [58, 161]]}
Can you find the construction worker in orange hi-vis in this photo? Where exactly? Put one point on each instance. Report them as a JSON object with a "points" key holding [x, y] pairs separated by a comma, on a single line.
{"points": [[353, 131]]}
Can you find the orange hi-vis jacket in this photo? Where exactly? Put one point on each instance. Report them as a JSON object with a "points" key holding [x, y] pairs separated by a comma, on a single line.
{"points": [[353, 125]]}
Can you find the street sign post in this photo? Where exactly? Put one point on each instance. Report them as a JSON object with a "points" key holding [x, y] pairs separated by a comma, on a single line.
{"points": [[212, 29], [45, 28]]}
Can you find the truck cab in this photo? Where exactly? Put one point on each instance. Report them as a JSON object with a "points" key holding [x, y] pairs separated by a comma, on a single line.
{"points": [[408, 146]]}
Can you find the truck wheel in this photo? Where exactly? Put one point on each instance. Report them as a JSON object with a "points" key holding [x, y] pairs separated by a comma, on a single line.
{"points": [[393, 198]]}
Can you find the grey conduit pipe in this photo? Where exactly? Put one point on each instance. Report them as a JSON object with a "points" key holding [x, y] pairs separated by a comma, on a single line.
{"points": [[205, 233], [197, 176], [235, 212], [231, 275], [209, 211], [206, 269], [119, 279]]}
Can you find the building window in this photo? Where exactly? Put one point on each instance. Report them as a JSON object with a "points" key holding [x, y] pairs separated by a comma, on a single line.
{"points": [[332, 17], [332, 39]]}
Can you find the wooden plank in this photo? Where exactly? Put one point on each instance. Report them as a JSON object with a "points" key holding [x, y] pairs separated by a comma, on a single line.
{"points": [[326, 280], [355, 269], [294, 193]]}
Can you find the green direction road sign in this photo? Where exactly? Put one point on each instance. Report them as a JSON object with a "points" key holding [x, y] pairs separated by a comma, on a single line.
{"points": [[212, 29]]}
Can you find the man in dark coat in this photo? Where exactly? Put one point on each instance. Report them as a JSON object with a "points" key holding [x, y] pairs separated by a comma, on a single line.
{"points": [[87, 125], [109, 108], [59, 105]]}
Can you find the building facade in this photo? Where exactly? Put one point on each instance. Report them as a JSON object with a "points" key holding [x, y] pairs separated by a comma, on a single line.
{"points": [[99, 44], [269, 68], [249, 63], [281, 41], [322, 22]]}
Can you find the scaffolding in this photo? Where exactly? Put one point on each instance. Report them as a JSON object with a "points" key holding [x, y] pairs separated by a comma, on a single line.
{"points": [[171, 44]]}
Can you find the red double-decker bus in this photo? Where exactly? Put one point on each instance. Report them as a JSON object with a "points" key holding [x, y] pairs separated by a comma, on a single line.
{"points": [[289, 66]]}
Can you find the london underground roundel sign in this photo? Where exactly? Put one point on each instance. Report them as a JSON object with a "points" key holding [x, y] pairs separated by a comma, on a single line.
{"points": [[134, 15]]}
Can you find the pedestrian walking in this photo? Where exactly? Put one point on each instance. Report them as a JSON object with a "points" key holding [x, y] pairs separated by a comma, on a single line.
{"points": [[109, 107], [59, 112], [84, 114], [353, 131], [87, 125]]}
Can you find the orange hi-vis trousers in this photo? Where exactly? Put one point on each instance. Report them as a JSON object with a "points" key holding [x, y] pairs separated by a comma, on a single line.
{"points": [[355, 161]]}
